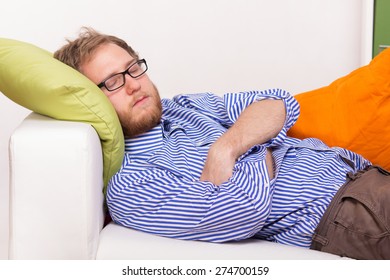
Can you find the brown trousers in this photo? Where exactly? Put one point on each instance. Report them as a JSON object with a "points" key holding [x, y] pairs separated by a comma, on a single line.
{"points": [[357, 221]]}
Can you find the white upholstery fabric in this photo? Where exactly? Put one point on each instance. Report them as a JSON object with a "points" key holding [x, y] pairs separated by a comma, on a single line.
{"points": [[55, 190], [56, 205], [117, 242]]}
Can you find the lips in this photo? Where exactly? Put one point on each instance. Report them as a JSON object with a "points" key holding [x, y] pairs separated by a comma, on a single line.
{"points": [[140, 100]]}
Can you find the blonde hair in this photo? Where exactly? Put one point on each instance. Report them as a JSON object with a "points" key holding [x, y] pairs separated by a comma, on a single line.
{"points": [[75, 53]]}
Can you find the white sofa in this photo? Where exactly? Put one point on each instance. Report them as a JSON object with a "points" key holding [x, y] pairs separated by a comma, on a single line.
{"points": [[56, 205]]}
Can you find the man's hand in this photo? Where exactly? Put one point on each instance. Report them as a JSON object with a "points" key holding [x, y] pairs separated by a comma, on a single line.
{"points": [[258, 123], [219, 163]]}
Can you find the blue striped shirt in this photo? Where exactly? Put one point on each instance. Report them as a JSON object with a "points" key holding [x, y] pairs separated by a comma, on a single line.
{"points": [[158, 191]]}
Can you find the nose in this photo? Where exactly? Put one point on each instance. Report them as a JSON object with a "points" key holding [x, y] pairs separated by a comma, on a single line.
{"points": [[131, 85]]}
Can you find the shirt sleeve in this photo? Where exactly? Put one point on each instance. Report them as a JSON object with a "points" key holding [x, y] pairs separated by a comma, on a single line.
{"points": [[236, 103], [227, 109], [208, 104], [161, 201]]}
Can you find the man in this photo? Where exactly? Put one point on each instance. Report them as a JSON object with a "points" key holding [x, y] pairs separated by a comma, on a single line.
{"points": [[204, 167]]}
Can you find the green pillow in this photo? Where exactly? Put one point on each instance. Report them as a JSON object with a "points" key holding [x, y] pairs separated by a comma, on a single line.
{"points": [[31, 77]]}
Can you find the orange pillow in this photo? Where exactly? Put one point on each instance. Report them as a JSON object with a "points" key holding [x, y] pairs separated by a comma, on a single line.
{"points": [[353, 112]]}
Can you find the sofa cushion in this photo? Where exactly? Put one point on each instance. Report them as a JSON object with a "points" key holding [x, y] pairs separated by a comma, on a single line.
{"points": [[31, 77], [118, 242], [353, 112]]}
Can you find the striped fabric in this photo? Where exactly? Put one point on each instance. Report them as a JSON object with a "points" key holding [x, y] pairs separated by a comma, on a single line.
{"points": [[158, 190]]}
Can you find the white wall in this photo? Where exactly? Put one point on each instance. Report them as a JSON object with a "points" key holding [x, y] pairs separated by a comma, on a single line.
{"points": [[200, 45]]}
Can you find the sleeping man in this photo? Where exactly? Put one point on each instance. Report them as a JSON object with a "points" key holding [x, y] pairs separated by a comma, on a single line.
{"points": [[221, 168]]}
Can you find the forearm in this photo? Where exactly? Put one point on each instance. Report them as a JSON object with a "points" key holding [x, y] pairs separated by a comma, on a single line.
{"points": [[257, 124]]}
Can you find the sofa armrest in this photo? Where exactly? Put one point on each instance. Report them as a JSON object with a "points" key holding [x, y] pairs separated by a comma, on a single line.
{"points": [[56, 199]]}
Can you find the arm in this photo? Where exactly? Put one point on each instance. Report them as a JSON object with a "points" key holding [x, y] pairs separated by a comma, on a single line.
{"points": [[257, 124], [166, 202], [164, 195]]}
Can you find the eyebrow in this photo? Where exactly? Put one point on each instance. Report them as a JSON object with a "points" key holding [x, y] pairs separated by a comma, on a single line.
{"points": [[115, 73]]}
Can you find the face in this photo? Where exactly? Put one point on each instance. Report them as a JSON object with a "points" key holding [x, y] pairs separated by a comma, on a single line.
{"points": [[137, 103]]}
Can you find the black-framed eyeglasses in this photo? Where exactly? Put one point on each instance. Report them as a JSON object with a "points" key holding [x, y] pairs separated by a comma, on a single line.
{"points": [[118, 80]]}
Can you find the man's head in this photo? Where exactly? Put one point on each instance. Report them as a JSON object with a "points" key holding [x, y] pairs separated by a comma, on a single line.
{"points": [[115, 67]]}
